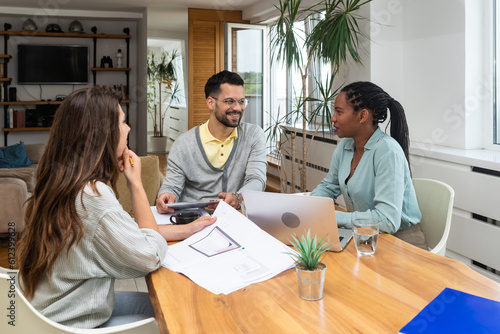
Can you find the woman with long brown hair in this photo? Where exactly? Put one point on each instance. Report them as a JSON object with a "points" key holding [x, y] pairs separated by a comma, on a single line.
{"points": [[78, 239]]}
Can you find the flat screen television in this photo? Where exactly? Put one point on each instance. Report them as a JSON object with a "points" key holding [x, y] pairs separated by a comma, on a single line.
{"points": [[52, 64]]}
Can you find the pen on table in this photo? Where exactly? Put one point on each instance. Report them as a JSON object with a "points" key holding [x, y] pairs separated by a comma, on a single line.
{"points": [[131, 161]]}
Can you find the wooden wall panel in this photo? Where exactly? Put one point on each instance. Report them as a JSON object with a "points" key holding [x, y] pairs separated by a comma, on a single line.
{"points": [[206, 55], [202, 66]]}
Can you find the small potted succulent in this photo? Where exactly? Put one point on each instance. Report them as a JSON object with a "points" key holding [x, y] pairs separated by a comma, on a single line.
{"points": [[310, 269]]}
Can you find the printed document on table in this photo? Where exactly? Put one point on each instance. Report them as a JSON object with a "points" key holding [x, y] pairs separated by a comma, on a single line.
{"points": [[164, 218], [230, 254]]}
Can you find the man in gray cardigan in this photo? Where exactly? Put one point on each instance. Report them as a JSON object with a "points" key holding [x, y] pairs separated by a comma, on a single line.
{"points": [[219, 158]]}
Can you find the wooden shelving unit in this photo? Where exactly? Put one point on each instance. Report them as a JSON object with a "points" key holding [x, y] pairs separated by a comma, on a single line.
{"points": [[5, 60], [113, 69], [63, 34], [29, 103], [25, 129], [95, 36], [40, 103]]}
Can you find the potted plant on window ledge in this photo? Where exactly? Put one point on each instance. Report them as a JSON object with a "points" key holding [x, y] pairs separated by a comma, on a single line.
{"points": [[310, 269], [334, 37], [162, 91]]}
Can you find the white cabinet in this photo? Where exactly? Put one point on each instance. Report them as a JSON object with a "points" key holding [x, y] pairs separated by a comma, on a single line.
{"points": [[176, 123]]}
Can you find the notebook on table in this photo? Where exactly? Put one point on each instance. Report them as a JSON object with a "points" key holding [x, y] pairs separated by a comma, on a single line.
{"points": [[285, 215], [454, 311]]}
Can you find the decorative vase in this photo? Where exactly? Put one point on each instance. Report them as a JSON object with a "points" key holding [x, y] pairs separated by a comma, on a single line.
{"points": [[159, 144], [311, 282]]}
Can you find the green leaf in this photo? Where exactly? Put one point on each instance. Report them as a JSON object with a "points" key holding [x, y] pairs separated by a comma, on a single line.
{"points": [[309, 251], [161, 71], [334, 38]]}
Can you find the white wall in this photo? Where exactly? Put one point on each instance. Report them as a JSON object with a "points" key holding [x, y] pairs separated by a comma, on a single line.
{"points": [[434, 71], [141, 95], [386, 47], [433, 56]]}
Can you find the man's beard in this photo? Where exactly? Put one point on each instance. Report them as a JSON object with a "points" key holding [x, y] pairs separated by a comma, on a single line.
{"points": [[223, 119]]}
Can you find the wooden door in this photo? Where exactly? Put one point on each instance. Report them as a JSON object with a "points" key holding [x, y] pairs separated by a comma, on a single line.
{"points": [[206, 55]]}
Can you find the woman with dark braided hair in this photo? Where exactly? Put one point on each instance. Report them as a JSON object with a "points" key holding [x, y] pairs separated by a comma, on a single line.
{"points": [[370, 168]]}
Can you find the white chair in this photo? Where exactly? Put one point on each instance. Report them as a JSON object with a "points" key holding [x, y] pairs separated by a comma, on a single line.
{"points": [[6, 270], [435, 200], [28, 320]]}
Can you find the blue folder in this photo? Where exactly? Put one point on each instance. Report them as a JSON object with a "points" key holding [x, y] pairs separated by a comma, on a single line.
{"points": [[454, 311]]}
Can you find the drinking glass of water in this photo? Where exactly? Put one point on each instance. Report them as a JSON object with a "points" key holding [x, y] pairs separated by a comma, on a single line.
{"points": [[365, 234]]}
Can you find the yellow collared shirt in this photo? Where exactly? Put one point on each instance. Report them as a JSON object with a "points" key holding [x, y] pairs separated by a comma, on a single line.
{"points": [[217, 151]]}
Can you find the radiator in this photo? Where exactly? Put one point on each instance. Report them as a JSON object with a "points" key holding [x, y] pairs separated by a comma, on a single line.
{"points": [[475, 232], [319, 157]]}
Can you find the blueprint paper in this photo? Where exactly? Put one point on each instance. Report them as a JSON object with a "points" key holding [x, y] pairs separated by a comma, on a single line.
{"points": [[230, 254]]}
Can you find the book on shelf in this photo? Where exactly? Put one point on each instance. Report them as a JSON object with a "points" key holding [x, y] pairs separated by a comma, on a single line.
{"points": [[454, 311], [10, 118], [2, 70], [19, 119], [124, 92], [16, 119]]}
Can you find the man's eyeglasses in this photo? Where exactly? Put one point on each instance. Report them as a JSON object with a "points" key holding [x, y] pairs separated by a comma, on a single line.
{"points": [[232, 102]]}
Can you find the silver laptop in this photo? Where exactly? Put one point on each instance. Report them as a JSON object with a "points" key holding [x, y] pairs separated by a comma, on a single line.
{"points": [[285, 215]]}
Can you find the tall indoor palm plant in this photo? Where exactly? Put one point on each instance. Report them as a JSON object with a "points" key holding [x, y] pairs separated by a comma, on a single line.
{"points": [[334, 37], [162, 77]]}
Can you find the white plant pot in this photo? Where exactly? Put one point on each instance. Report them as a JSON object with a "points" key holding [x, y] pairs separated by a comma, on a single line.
{"points": [[159, 144]]}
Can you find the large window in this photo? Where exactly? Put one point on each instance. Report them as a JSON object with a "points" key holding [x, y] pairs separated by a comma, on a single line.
{"points": [[285, 91], [286, 86], [245, 55]]}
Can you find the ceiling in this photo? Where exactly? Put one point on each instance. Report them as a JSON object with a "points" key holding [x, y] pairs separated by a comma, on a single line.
{"points": [[162, 14], [134, 5]]}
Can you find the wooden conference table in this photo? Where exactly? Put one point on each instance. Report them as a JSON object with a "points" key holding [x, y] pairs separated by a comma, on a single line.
{"points": [[379, 294]]}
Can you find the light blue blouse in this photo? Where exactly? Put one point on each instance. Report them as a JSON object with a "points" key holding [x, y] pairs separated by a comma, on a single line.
{"points": [[381, 186]]}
